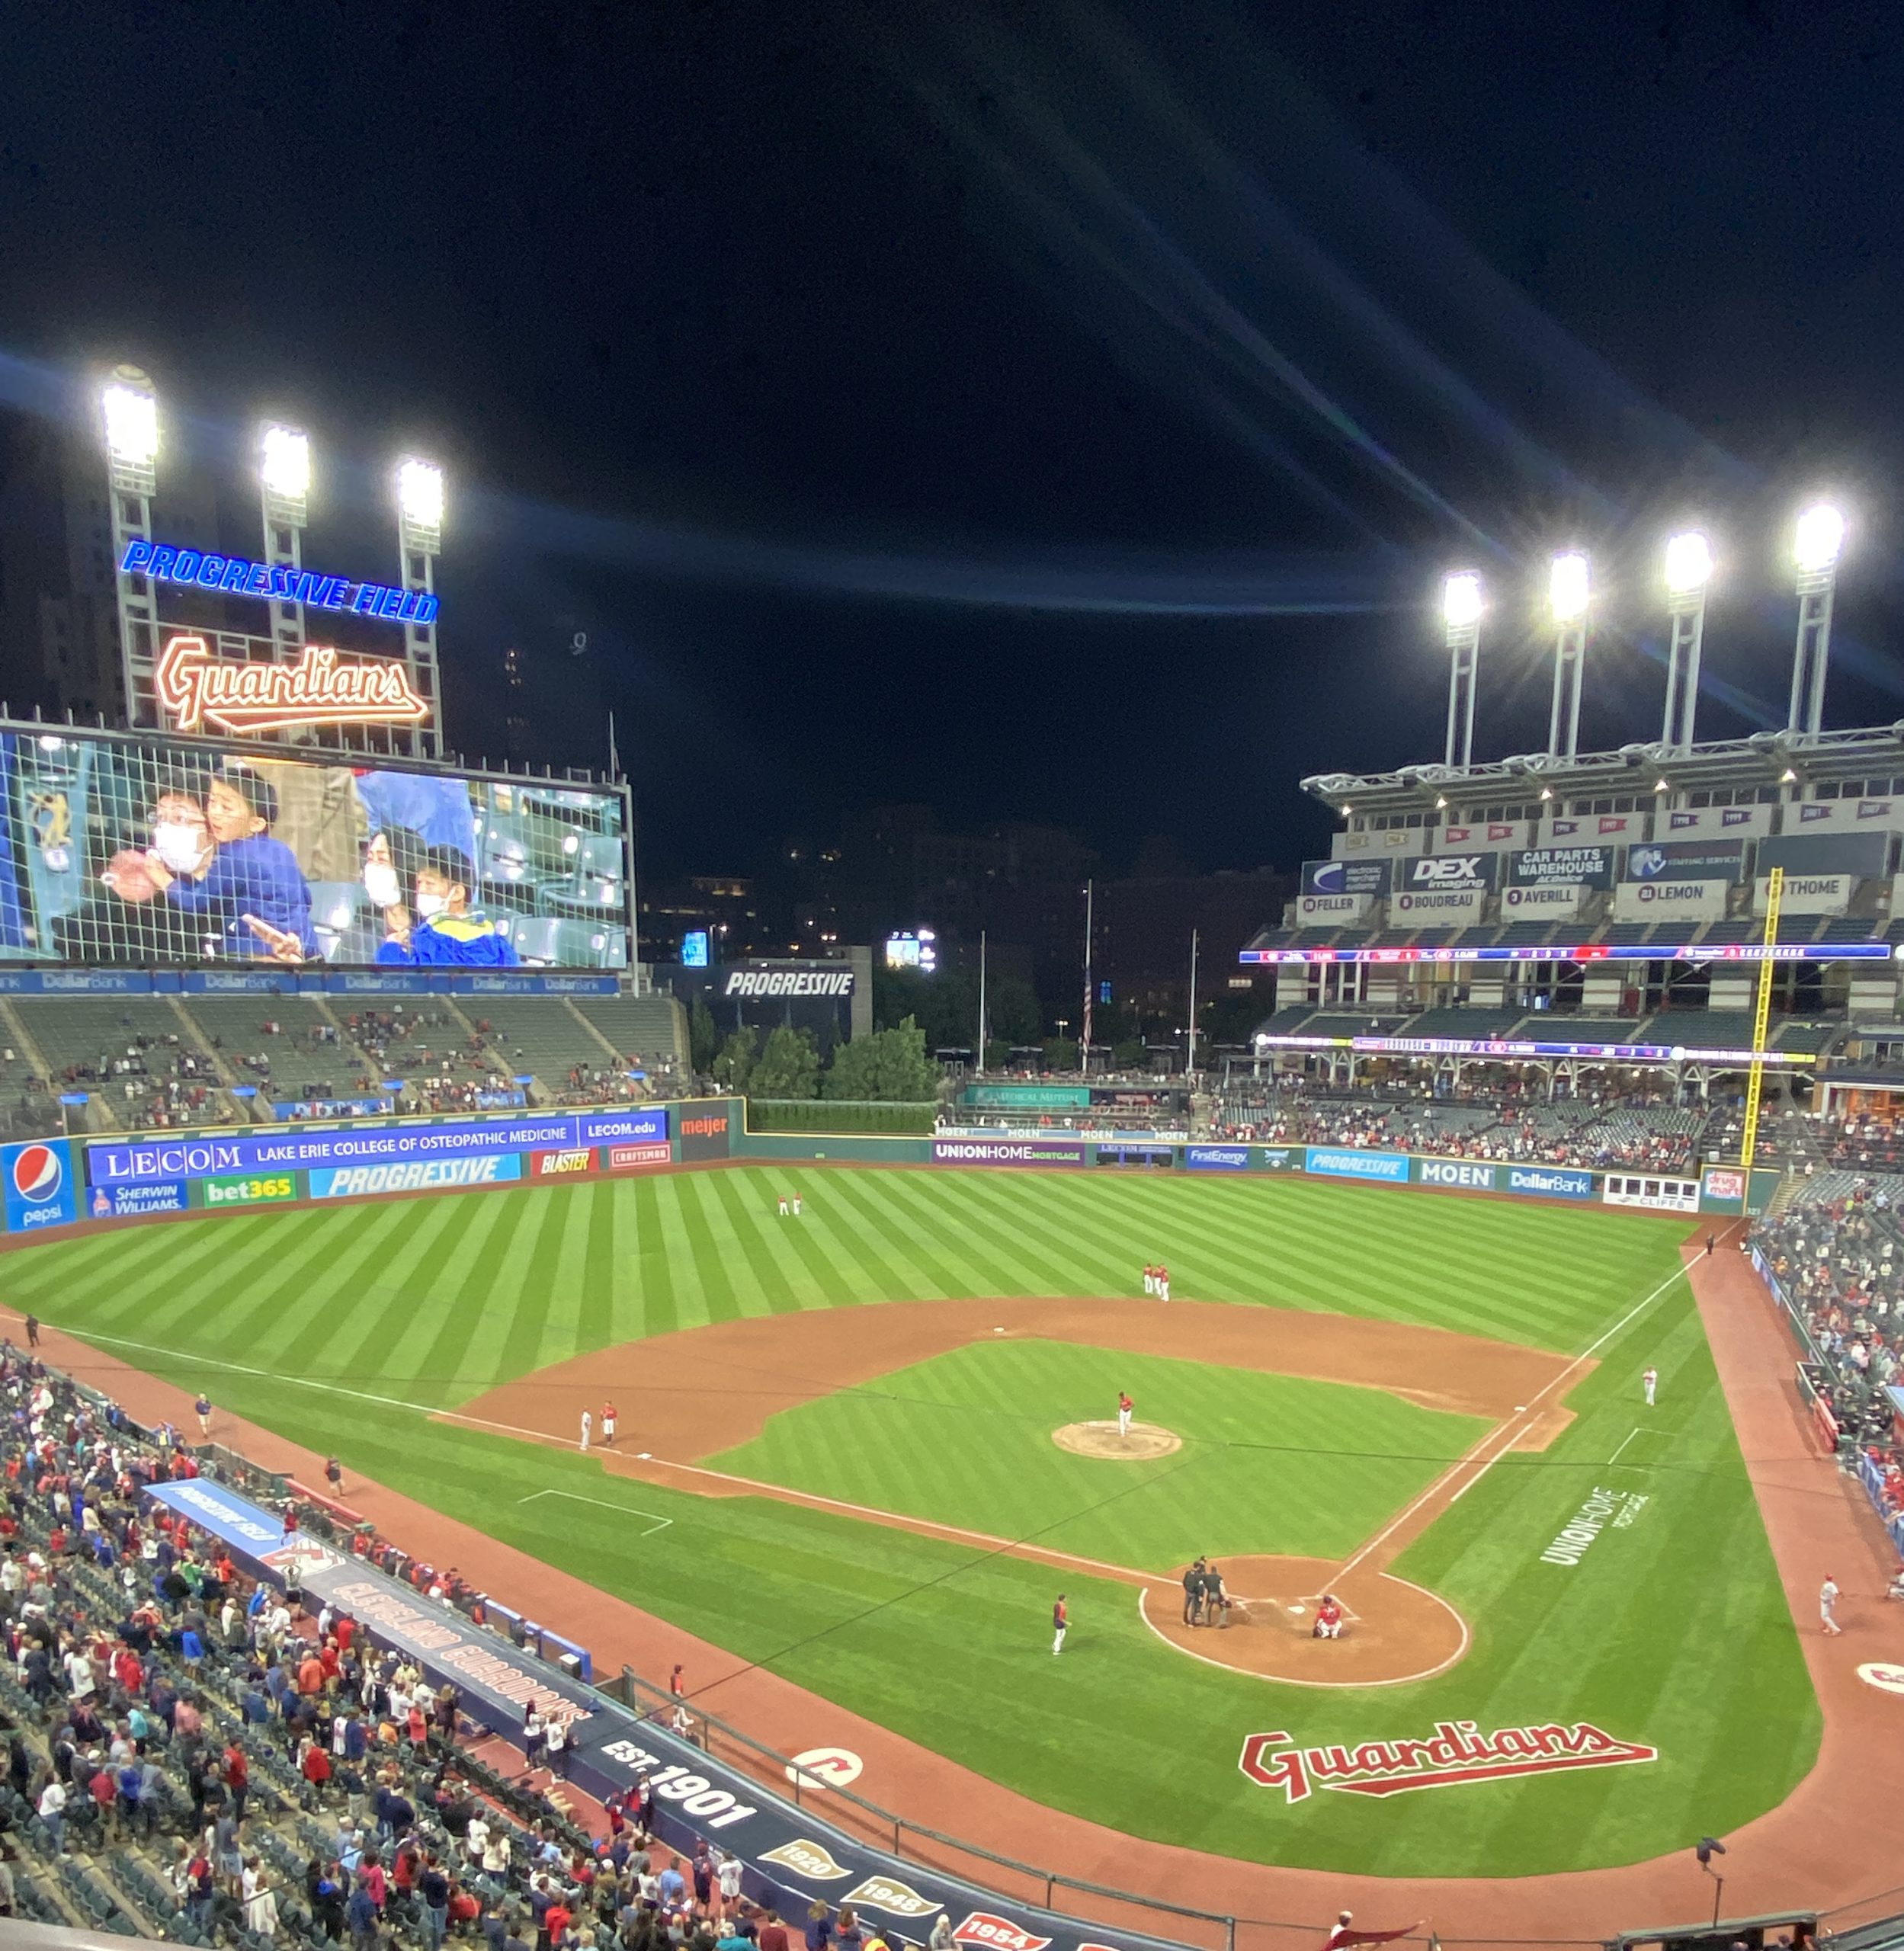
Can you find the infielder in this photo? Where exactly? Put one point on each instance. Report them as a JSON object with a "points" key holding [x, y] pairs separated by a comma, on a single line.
{"points": [[1649, 1382], [607, 1423], [587, 1423], [1125, 1405]]}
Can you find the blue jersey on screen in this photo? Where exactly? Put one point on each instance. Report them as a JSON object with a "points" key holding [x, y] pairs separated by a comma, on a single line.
{"points": [[467, 941], [436, 810], [255, 875]]}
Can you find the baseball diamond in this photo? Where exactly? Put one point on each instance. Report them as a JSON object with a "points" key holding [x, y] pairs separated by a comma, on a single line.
{"points": [[835, 1461]]}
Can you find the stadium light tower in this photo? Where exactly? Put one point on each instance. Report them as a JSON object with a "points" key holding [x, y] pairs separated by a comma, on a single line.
{"points": [[284, 481], [129, 410], [1461, 616], [1819, 537], [1688, 571], [1567, 586], [419, 534]]}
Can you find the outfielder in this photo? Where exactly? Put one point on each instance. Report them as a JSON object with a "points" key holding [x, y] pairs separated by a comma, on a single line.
{"points": [[1649, 1382], [1150, 1282], [1060, 1625], [1163, 1283]]}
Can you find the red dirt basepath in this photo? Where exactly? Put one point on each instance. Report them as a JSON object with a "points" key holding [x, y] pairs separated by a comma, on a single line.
{"points": [[1836, 1840]]}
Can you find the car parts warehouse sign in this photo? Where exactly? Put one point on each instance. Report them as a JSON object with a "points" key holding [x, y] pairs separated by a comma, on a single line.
{"points": [[1457, 1753], [113, 1163]]}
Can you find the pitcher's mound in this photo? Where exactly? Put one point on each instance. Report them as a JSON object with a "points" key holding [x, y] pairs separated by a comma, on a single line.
{"points": [[1145, 1440]]}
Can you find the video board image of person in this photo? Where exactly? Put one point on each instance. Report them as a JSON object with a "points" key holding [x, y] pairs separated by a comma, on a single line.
{"points": [[146, 853]]}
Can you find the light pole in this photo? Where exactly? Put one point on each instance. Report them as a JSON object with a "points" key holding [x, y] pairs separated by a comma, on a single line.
{"points": [[1567, 585], [284, 492], [419, 532], [1816, 544], [1190, 1053], [1688, 570], [1461, 616], [129, 410]]}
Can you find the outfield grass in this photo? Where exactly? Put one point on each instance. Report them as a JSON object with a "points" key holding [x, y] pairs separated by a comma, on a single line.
{"points": [[1269, 1463], [1673, 1632]]}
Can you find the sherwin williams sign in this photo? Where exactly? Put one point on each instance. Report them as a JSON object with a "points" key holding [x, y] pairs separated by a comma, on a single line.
{"points": [[1006, 1152], [1389, 1166], [131, 1202]]}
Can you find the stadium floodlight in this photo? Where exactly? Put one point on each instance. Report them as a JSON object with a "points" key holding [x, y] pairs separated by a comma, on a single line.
{"points": [[419, 496], [1567, 587], [1819, 535], [284, 467], [1461, 616], [1817, 542], [1688, 571], [1461, 601], [1688, 563], [132, 420], [1568, 582]]}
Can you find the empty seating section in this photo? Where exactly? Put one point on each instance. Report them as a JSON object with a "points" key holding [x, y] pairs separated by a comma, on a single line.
{"points": [[649, 1028], [1702, 1029], [284, 1046], [1469, 1024], [146, 1062]]}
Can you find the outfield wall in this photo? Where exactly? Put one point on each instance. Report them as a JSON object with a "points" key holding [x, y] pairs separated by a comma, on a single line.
{"points": [[52, 1184]]}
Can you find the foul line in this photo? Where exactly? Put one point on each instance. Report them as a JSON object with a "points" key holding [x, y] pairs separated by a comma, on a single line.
{"points": [[1643, 1430], [1514, 1426], [627, 1510]]}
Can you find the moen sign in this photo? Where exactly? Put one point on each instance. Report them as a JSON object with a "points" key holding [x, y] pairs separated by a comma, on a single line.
{"points": [[325, 687], [234, 576]]}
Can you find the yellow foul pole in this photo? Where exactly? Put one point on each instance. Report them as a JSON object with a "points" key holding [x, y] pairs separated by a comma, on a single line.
{"points": [[1762, 1018]]}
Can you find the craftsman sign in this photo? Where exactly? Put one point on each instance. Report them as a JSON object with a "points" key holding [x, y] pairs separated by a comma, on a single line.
{"points": [[199, 688], [1457, 1753]]}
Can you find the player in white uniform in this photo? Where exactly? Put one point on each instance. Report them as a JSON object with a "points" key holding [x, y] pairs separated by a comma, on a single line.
{"points": [[1163, 1283], [1650, 1381], [1150, 1281], [587, 1423], [1827, 1599], [1125, 1405]]}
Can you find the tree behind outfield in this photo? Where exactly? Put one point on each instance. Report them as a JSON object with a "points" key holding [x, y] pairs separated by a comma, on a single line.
{"points": [[735, 1065], [789, 1067], [703, 1038], [889, 1067]]}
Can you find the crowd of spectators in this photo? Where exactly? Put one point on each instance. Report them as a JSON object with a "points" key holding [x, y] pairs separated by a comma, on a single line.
{"points": [[190, 1755], [1598, 1128], [1838, 1253]]}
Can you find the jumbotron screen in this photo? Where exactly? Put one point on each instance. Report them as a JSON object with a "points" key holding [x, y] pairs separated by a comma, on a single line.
{"points": [[138, 848]]}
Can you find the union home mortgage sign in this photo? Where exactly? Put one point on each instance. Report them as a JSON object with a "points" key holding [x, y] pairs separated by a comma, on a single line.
{"points": [[198, 688]]}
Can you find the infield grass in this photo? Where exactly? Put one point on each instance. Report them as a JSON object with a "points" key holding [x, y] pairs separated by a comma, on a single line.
{"points": [[1674, 1630], [1271, 1463]]}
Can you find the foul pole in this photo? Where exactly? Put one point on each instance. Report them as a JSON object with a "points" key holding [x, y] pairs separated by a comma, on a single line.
{"points": [[1762, 1018]]}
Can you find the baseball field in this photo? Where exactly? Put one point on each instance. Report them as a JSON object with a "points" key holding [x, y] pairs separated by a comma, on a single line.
{"points": [[837, 1458]]}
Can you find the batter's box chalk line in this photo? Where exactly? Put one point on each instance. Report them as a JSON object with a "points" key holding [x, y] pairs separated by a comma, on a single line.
{"points": [[602, 1503]]}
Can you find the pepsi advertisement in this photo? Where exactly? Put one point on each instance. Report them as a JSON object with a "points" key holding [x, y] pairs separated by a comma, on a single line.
{"points": [[38, 1183]]}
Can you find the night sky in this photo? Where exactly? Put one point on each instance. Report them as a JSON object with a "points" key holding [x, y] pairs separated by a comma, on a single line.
{"points": [[1051, 411]]}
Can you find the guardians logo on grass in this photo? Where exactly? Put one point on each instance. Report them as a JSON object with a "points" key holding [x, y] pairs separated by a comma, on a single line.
{"points": [[1458, 1753]]}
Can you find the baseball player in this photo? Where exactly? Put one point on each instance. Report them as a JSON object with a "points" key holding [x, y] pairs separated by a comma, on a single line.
{"points": [[1329, 1618], [1827, 1599], [1150, 1282], [1125, 1405], [1163, 1283], [607, 1423], [783, 1205], [587, 1423], [796, 1205], [1060, 1625], [1649, 1382]]}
